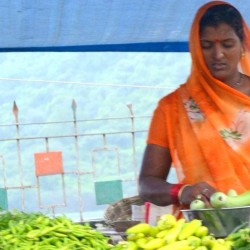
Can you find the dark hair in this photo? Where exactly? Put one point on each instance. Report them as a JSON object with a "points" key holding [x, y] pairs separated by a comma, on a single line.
{"points": [[223, 13]]}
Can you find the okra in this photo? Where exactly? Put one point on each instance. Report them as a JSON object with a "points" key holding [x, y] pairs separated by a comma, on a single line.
{"points": [[34, 231]]}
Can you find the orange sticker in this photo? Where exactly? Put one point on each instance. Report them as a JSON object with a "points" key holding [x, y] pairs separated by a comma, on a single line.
{"points": [[48, 163]]}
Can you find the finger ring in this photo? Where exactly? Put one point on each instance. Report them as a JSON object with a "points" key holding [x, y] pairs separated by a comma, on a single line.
{"points": [[204, 191]]}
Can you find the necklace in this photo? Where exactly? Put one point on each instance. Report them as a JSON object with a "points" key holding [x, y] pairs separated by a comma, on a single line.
{"points": [[240, 82]]}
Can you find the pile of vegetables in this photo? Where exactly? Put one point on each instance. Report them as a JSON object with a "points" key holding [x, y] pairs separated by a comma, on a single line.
{"points": [[240, 239], [177, 234], [224, 200], [35, 231], [172, 234]]}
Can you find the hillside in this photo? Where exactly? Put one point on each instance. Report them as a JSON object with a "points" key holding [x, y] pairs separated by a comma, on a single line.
{"points": [[43, 86]]}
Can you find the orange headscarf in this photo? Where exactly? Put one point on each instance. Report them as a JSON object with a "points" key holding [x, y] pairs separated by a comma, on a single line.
{"points": [[209, 129], [218, 148]]}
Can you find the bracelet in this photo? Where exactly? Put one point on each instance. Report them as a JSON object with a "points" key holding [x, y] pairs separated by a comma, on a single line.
{"points": [[174, 192], [181, 191]]}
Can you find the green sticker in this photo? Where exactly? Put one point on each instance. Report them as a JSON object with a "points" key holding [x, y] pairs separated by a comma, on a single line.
{"points": [[108, 191], [3, 199]]}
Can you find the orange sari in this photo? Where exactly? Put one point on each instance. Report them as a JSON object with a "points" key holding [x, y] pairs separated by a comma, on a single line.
{"points": [[206, 124]]}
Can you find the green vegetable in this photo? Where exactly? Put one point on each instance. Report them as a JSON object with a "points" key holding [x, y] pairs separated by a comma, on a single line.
{"points": [[201, 248], [154, 243], [136, 236], [208, 241], [141, 242], [220, 247], [240, 239], [162, 233], [232, 192], [139, 228], [189, 229], [125, 245], [220, 200], [166, 221], [197, 204], [153, 231], [174, 232], [194, 241], [35, 231], [201, 231], [177, 245]]}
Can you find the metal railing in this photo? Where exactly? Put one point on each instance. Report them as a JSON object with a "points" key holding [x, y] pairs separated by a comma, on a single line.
{"points": [[70, 190]]}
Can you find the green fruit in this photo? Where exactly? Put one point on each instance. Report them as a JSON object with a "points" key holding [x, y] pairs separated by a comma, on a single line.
{"points": [[219, 200], [197, 204]]}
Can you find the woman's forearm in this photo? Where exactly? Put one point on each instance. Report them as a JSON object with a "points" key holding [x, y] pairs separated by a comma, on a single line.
{"points": [[155, 190]]}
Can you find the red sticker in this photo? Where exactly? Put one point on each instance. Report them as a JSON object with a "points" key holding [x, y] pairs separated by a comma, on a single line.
{"points": [[48, 163]]}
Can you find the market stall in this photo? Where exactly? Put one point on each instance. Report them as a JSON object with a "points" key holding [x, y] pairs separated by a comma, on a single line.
{"points": [[128, 26]]}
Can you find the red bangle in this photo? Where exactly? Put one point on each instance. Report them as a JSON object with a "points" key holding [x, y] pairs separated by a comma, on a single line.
{"points": [[174, 190]]}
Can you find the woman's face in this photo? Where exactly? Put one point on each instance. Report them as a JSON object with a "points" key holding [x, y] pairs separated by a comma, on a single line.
{"points": [[222, 51]]}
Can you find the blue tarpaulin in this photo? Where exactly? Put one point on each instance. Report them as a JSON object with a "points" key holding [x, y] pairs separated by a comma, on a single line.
{"points": [[100, 25]]}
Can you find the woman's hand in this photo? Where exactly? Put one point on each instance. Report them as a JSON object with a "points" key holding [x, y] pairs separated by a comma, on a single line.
{"points": [[200, 190]]}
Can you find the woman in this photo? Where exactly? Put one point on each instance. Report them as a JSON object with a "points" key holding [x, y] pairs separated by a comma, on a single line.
{"points": [[203, 128]]}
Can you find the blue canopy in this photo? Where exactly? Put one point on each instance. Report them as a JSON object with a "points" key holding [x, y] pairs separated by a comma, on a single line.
{"points": [[100, 25]]}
